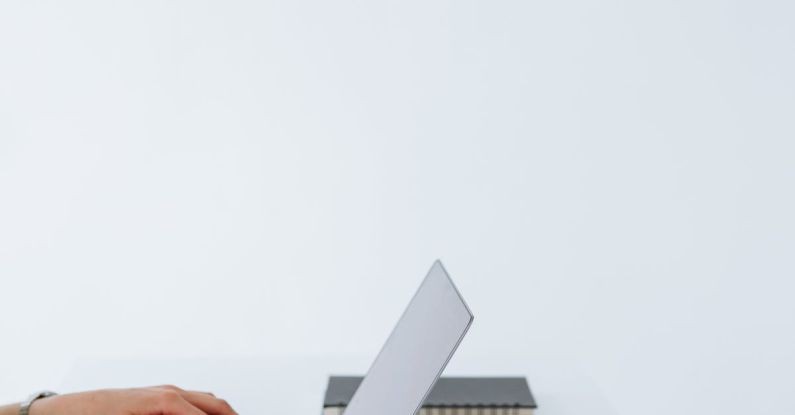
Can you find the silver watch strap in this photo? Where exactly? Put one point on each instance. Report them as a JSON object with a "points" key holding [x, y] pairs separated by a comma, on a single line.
{"points": [[24, 407]]}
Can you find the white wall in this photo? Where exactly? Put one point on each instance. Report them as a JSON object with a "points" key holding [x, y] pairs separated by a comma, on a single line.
{"points": [[608, 180]]}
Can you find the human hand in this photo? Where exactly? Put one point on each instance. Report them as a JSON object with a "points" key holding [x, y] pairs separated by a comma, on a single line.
{"points": [[157, 400]]}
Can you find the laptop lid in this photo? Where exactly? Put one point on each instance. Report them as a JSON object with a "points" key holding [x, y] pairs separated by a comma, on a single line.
{"points": [[417, 351]]}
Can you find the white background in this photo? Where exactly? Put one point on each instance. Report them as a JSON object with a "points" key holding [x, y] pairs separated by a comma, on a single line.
{"points": [[610, 181]]}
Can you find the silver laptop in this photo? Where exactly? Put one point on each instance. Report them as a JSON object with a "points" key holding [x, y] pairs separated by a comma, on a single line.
{"points": [[417, 351]]}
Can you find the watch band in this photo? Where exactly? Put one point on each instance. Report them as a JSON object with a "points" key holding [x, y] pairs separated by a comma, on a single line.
{"points": [[24, 407]]}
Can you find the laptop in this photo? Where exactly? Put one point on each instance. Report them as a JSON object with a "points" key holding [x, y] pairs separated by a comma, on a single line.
{"points": [[417, 351]]}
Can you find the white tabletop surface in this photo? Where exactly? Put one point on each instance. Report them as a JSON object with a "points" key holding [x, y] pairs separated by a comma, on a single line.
{"points": [[295, 385]]}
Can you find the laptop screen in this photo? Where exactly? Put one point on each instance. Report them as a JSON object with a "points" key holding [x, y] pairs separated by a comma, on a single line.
{"points": [[417, 351]]}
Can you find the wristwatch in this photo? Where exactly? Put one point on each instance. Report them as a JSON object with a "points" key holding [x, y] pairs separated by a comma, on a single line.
{"points": [[24, 407]]}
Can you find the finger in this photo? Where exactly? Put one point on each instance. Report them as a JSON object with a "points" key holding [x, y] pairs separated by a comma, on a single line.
{"points": [[167, 387], [208, 403], [202, 392], [171, 402], [178, 389]]}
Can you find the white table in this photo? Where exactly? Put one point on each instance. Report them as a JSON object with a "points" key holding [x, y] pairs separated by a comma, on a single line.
{"points": [[295, 385]]}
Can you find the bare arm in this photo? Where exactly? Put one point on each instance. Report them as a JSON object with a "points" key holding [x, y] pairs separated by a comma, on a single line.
{"points": [[158, 400], [9, 409]]}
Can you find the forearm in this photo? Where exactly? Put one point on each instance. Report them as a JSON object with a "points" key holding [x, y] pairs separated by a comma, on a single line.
{"points": [[9, 409], [157, 400]]}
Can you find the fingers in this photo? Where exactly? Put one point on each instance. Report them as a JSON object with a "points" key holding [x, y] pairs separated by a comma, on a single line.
{"points": [[178, 389], [203, 401], [171, 402], [209, 404]]}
